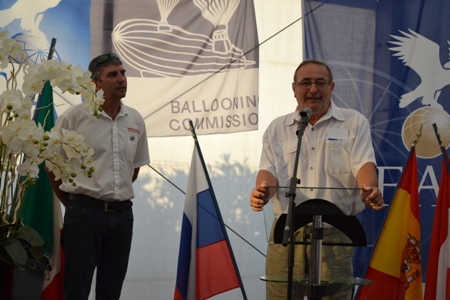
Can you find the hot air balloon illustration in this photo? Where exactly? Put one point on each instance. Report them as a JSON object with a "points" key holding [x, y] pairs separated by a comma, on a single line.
{"points": [[219, 13], [156, 48], [165, 8]]}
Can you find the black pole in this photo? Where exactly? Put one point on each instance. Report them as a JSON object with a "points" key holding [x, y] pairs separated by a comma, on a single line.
{"points": [[443, 150], [288, 229]]}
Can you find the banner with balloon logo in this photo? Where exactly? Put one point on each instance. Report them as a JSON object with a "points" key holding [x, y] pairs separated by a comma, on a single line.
{"points": [[185, 59]]}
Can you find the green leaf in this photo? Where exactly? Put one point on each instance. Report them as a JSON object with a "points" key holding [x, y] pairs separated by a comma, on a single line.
{"points": [[31, 241], [13, 252], [29, 235], [24, 243]]}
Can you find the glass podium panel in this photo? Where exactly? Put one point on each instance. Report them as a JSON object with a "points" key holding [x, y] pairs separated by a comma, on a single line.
{"points": [[340, 281], [324, 288], [365, 219], [314, 217]]}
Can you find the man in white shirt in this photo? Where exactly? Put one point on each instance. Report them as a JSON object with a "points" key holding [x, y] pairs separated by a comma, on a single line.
{"points": [[98, 220], [336, 152]]}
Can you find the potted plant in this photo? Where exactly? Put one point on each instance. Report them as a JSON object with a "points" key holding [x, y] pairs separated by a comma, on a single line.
{"points": [[24, 144]]}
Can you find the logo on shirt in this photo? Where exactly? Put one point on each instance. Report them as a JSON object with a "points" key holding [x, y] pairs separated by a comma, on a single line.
{"points": [[133, 132]]}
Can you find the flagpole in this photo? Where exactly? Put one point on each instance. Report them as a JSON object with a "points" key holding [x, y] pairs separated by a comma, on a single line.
{"points": [[443, 150], [219, 215]]}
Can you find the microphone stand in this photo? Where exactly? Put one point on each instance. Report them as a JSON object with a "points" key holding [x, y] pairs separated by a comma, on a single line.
{"points": [[288, 229]]}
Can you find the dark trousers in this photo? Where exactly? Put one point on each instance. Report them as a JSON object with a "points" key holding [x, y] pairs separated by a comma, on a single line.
{"points": [[93, 238]]}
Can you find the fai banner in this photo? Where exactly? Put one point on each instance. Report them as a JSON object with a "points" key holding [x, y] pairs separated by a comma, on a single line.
{"points": [[185, 59], [390, 61]]}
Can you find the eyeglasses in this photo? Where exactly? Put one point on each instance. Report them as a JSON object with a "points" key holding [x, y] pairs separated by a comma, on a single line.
{"points": [[102, 59], [307, 84]]}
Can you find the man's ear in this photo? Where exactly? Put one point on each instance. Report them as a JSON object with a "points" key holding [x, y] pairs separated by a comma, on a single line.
{"points": [[96, 84]]}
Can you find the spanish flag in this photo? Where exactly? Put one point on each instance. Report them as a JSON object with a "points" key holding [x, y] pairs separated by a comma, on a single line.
{"points": [[395, 266]]}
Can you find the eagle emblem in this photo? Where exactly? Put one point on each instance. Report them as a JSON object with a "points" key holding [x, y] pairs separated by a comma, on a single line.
{"points": [[422, 55]]}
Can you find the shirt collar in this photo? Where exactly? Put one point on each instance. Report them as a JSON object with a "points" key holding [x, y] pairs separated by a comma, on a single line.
{"points": [[292, 118], [123, 109], [333, 112], [122, 112]]}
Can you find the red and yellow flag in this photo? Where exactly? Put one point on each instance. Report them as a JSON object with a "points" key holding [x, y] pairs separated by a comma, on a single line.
{"points": [[395, 266]]}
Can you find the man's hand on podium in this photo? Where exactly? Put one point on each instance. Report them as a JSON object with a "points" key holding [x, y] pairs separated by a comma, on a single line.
{"points": [[371, 197], [260, 196]]}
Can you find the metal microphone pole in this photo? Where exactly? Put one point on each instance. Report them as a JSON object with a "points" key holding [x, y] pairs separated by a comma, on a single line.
{"points": [[288, 229]]}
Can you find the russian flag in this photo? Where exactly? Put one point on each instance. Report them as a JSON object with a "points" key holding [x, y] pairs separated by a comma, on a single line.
{"points": [[206, 265]]}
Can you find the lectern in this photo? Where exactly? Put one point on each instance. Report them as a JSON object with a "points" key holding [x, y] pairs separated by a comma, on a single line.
{"points": [[317, 212]]}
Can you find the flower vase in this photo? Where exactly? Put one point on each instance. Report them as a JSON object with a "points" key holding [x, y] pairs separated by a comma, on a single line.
{"points": [[22, 283]]}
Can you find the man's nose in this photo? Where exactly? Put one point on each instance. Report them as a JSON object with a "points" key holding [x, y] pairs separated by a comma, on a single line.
{"points": [[313, 88], [122, 77]]}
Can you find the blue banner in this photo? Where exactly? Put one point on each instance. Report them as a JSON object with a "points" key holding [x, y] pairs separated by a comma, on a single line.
{"points": [[37, 23], [390, 61]]}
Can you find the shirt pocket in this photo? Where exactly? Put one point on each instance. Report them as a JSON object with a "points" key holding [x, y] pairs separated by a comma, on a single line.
{"points": [[131, 144], [338, 156], [284, 158]]}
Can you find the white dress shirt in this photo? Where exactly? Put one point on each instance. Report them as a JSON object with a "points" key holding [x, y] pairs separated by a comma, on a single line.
{"points": [[120, 146], [331, 154]]}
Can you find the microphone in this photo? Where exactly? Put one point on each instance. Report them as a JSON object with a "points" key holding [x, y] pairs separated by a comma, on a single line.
{"points": [[306, 114]]}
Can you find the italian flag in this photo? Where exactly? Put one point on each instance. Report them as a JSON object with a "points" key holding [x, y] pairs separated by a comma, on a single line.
{"points": [[42, 209], [395, 266]]}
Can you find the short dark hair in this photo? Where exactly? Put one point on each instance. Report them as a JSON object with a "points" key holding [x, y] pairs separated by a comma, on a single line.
{"points": [[98, 63], [316, 62]]}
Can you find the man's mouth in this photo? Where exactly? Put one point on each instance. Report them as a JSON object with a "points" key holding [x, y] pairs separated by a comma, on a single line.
{"points": [[314, 98]]}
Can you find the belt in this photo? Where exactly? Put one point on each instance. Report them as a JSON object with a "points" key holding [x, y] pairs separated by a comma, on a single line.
{"points": [[106, 206]]}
